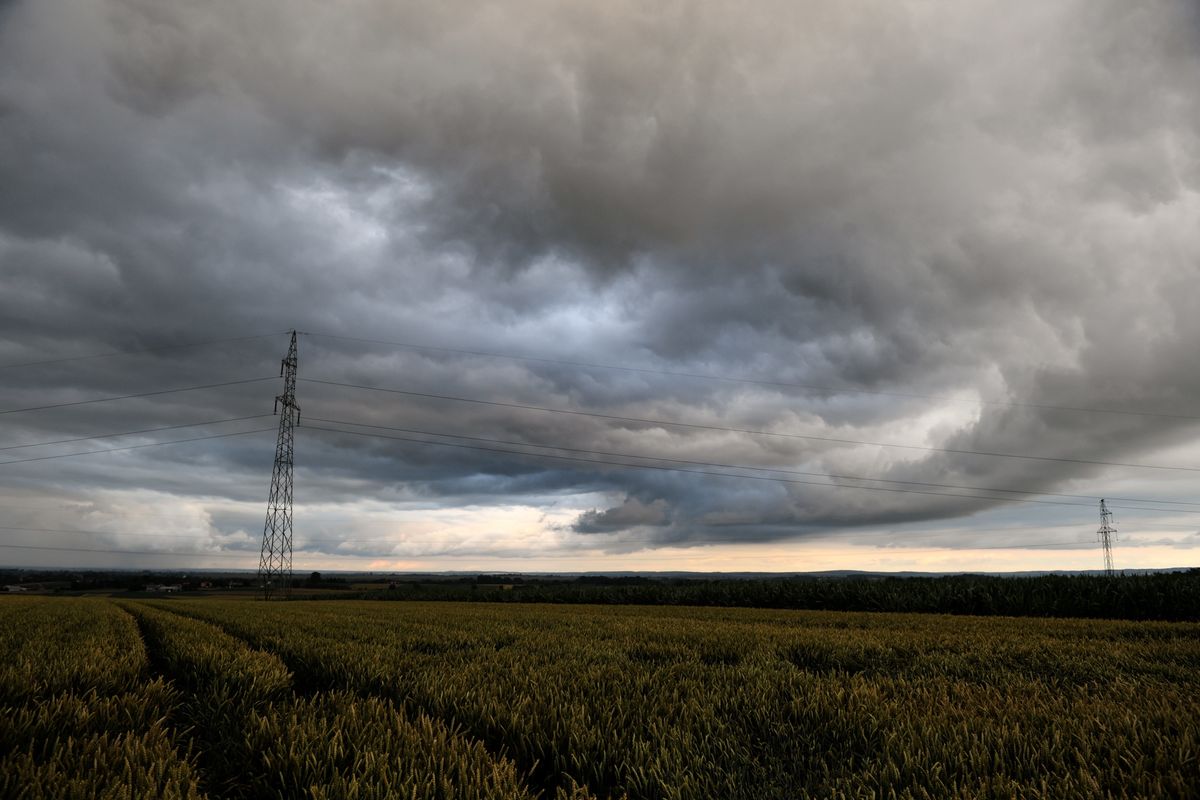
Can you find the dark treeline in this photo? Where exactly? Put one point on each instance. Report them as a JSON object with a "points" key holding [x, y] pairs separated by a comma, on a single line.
{"points": [[1158, 596]]}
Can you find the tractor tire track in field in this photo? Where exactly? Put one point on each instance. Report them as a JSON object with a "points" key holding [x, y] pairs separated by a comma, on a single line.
{"points": [[207, 713], [308, 684], [665, 704], [81, 713], [179, 714], [309, 679]]}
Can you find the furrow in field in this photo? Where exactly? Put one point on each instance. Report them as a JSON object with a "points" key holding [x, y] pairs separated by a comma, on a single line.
{"points": [[80, 716], [261, 740], [685, 703]]}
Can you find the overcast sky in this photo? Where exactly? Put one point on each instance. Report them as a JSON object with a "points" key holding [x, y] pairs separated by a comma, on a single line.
{"points": [[962, 228]]}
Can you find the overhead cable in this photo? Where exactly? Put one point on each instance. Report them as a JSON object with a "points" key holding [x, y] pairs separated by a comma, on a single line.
{"points": [[781, 470], [724, 429], [752, 381], [134, 447], [132, 433], [136, 394], [137, 351], [627, 465]]}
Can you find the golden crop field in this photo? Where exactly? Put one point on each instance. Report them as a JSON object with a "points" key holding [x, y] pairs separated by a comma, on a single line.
{"points": [[343, 699]]}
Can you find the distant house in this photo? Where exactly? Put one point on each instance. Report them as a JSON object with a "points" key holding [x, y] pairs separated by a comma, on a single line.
{"points": [[163, 588], [12, 587]]}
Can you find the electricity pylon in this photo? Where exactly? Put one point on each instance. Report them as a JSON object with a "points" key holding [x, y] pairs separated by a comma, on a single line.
{"points": [[1107, 535], [275, 564]]}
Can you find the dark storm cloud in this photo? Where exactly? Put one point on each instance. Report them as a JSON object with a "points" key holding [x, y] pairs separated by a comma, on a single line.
{"points": [[983, 202]]}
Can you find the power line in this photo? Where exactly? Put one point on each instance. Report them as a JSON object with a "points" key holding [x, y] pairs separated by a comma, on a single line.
{"points": [[749, 477], [987, 547], [756, 469], [137, 394], [617, 464], [131, 433], [621, 464], [190, 536], [697, 426], [123, 552], [388, 539], [85, 532], [326, 516], [750, 381], [134, 446], [140, 350], [115, 551]]}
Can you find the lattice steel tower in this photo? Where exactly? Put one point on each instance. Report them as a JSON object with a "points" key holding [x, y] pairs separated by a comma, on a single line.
{"points": [[275, 565], [1107, 535]]}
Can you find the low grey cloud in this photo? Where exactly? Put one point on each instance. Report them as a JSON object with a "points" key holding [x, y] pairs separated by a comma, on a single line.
{"points": [[941, 227]]}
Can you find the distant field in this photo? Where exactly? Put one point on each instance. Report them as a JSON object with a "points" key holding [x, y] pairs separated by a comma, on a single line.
{"points": [[344, 699]]}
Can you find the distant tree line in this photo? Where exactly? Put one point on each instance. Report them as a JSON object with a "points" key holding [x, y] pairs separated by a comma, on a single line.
{"points": [[1156, 596]]}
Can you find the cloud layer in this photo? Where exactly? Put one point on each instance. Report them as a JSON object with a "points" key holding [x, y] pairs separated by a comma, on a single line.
{"points": [[925, 212]]}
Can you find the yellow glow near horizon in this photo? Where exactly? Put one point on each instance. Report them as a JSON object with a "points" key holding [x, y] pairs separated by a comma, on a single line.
{"points": [[382, 537]]}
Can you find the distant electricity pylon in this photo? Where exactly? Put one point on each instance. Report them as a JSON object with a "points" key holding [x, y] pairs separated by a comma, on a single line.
{"points": [[275, 565], [1107, 534]]}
